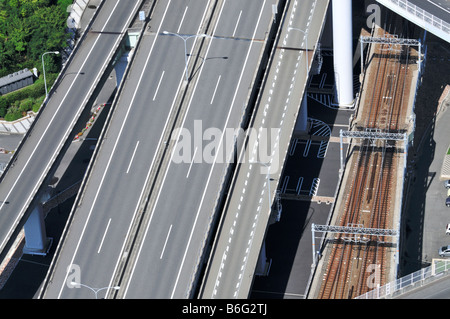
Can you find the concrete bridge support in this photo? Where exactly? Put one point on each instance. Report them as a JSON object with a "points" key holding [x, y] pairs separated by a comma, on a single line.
{"points": [[343, 51], [263, 265], [301, 126], [36, 240]]}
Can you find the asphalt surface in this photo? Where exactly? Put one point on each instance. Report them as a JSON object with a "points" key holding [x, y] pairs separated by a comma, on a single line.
{"points": [[20, 183], [438, 8], [115, 188], [95, 243], [180, 227], [239, 241], [289, 241], [437, 290]]}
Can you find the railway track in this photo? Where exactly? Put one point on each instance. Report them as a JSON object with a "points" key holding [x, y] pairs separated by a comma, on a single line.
{"points": [[357, 264]]}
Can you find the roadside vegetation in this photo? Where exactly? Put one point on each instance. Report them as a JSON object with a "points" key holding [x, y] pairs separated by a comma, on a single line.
{"points": [[29, 28]]}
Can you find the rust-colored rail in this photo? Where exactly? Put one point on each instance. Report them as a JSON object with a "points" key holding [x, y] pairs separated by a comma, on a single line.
{"points": [[357, 264]]}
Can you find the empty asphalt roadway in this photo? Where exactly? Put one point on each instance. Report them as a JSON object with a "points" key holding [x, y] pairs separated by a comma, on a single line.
{"points": [[184, 207], [181, 207], [247, 212], [22, 181]]}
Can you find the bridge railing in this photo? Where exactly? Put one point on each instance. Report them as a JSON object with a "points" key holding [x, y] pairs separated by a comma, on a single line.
{"points": [[421, 14], [438, 269]]}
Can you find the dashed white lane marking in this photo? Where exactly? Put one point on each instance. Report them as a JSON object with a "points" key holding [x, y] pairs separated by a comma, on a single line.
{"points": [[237, 23], [215, 90], [132, 157], [165, 243], [159, 83], [104, 235], [193, 159], [265, 114]]}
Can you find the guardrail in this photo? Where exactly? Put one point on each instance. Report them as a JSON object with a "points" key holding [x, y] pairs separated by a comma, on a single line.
{"points": [[412, 9], [52, 89], [438, 269]]}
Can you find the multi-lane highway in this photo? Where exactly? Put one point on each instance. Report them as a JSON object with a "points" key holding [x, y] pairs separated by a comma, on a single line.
{"points": [[51, 130], [432, 15], [183, 211], [181, 207], [239, 240]]}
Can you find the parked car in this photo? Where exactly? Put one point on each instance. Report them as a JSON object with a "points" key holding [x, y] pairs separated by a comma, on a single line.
{"points": [[447, 229], [447, 200], [447, 183], [444, 251]]}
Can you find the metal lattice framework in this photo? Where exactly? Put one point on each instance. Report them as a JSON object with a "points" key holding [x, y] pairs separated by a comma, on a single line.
{"points": [[390, 41], [351, 230], [373, 135], [354, 230]]}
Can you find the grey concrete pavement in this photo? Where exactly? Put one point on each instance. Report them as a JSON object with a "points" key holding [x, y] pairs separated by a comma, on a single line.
{"points": [[126, 157], [438, 8], [236, 250], [288, 242], [96, 240], [20, 183], [180, 228], [426, 213], [115, 165], [437, 290]]}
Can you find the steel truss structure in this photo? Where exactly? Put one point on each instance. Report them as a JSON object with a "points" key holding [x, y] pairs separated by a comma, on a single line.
{"points": [[357, 229], [351, 230], [373, 135], [390, 41], [368, 134]]}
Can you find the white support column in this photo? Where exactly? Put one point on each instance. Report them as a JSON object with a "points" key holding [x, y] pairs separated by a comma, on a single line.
{"points": [[343, 51]]}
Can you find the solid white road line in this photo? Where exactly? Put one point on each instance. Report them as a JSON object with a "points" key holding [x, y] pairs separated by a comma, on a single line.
{"points": [[439, 6], [112, 154], [152, 214], [43, 135], [212, 168]]}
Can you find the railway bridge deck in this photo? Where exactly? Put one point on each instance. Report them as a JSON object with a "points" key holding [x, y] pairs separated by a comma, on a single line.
{"points": [[371, 188]]}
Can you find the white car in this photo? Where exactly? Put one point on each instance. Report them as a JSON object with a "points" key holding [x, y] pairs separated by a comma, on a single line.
{"points": [[447, 183], [447, 200], [444, 251], [447, 229]]}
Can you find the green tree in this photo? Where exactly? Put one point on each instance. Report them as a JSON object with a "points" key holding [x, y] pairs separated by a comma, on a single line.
{"points": [[19, 33], [28, 28]]}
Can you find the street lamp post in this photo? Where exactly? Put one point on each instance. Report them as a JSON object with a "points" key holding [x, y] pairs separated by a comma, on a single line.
{"points": [[185, 38], [95, 290], [43, 69], [306, 42]]}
